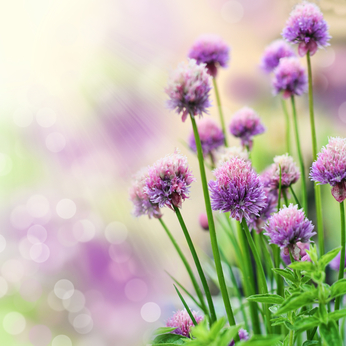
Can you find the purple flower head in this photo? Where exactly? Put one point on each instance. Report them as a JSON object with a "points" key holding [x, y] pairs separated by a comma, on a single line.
{"points": [[203, 221], [182, 321], [288, 227], [304, 256], [335, 262], [210, 134], [289, 171], [307, 28], [290, 78], [140, 200], [188, 89], [245, 124], [273, 53], [243, 335], [168, 181], [211, 50], [226, 153], [330, 167], [238, 190]]}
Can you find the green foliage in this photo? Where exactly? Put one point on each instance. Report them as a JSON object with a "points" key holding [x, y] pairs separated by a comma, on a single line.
{"points": [[266, 298], [330, 334], [258, 340], [169, 339]]}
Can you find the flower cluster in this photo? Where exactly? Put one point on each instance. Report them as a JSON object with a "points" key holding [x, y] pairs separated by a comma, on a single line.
{"points": [[182, 321], [210, 50], [237, 189], [288, 227], [290, 78], [307, 28], [245, 124], [188, 89], [169, 181], [289, 171], [330, 167], [243, 335], [211, 137], [225, 154], [273, 53], [141, 202]]}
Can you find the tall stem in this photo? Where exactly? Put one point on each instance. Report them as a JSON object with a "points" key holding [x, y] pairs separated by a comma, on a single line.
{"points": [[198, 265], [212, 232], [285, 197], [301, 162], [342, 255], [222, 121], [287, 120], [318, 199], [262, 279], [248, 279], [187, 266]]}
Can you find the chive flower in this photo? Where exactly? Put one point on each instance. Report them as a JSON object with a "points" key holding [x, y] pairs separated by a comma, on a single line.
{"points": [[188, 89], [243, 335], [290, 78], [303, 255], [238, 190], [330, 167], [226, 153], [211, 137], [273, 53], [289, 171], [211, 50], [288, 227], [183, 323], [203, 221], [307, 28], [245, 124], [168, 181], [140, 200], [335, 262]]}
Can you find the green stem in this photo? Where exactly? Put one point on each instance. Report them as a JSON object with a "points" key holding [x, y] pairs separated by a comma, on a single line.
{"points": [[285, 197], [295, 197], [187, 266], [284, 107], [212, 232], [342, 255], [262, 280], [317, 188], [186, 306], [301, 162], [249, 280], [267, 259], [198, 265], [220, 111]]}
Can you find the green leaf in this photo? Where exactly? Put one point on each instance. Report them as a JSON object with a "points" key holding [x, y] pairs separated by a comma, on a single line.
{"points": [[336, 315], [228, 335], [266, 298], [305, 323], [330, 334], [163, 330], [278, 321], [186, 306], [296, 301], [311, 342], [325, 259], [287, 274], [258, 340], [216, 328], [169, 339], [305, 266], [338, 288]]}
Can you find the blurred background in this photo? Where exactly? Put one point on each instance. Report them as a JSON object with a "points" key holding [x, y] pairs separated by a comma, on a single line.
{"points": [[82, 108]]}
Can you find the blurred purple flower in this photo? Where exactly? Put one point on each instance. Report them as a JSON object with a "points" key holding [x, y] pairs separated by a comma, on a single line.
{"points": [[237, 190], [288, 227], [306, 27], [245, 124], [182, 321], [203, 221], [330, 167], [226, 153], [243, 335], [140, 199], [335, 262], [188, 89], [289, 171], [211, 50], [273, 53], [169, 181], [211, 137], [290, 78]]}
